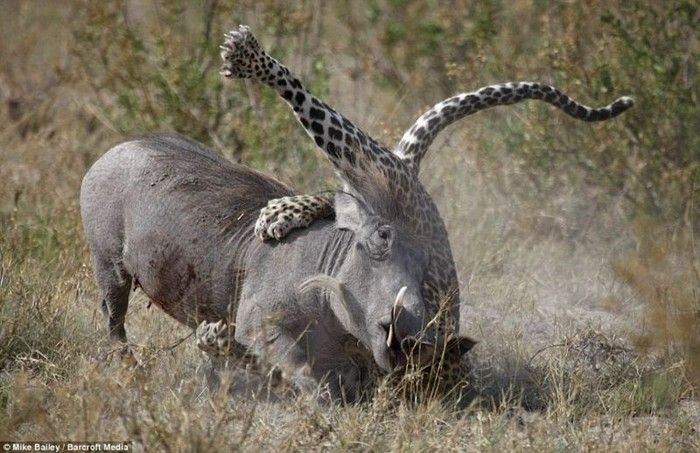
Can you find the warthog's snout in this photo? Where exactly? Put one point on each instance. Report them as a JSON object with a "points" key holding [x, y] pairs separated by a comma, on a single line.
{"points": [[394, 336], [404, 330]]}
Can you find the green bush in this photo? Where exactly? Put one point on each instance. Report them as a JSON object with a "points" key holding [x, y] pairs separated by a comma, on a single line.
{"points": [[159, 71]]}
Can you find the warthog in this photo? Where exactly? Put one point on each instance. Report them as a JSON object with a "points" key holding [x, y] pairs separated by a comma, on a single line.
{"points": [[172, 217]]}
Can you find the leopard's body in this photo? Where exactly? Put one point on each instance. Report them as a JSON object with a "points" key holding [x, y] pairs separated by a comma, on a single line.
{"points": [[356, 156], [417, 139]]}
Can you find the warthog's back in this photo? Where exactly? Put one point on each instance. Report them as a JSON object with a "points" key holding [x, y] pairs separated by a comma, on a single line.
{"points": [[176, 217]]}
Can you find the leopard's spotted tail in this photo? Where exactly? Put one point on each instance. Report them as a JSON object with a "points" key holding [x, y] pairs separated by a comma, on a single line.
{"points": [[513, 92], [419, 137]]}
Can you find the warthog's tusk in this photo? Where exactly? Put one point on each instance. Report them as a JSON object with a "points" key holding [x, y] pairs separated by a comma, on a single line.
{"points": [[397, 303]]}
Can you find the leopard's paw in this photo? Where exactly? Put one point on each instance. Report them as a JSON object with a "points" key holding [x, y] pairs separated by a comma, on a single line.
{"points": [[241, 54]]}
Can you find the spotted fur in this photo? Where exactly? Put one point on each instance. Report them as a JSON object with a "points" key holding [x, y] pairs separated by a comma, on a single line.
{"points": [[274, 223], [451, 376], [214, 338], [281, 215], [345, 145], [417, 139]]}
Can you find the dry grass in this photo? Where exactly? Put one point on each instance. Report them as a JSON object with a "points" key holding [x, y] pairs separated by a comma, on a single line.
{"points": [[587, 319]]}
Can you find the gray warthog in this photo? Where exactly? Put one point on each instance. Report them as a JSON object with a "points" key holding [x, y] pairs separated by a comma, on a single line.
{"points": [[172, 217]]}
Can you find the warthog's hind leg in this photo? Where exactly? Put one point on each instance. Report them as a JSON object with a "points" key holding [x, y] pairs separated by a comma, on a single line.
{"points": [[115, 285]]}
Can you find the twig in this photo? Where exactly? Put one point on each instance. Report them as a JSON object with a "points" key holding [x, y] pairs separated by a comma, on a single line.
{"points": [[176, 344], [558, 345]]}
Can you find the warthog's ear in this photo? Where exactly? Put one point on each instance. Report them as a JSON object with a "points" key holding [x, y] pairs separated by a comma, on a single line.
{"points": [[460, 344], [350, 212]]}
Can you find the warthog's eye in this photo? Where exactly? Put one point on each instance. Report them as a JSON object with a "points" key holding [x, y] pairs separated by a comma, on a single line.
{"points": [[379, 243]]}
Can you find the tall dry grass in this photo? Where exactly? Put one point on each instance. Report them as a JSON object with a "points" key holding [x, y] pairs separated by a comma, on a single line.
{"points": [[575, 243]]}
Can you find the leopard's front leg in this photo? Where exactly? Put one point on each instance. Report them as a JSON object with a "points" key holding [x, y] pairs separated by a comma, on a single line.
{"points": [[281, 215]]}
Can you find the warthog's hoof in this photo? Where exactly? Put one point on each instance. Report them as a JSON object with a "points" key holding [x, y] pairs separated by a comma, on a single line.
{"points": [[215, 338]]}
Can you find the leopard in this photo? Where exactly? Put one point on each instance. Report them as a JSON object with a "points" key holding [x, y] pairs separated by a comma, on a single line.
{"points": [[357, 157]]}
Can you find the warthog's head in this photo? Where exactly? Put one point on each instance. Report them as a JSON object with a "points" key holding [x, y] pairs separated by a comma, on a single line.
{"points": [[377, 287], [383, 273]]}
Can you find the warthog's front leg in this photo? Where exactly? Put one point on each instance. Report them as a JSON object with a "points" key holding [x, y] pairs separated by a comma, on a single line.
{"points": [[216, 341], [288, 355], [279, 359]]}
